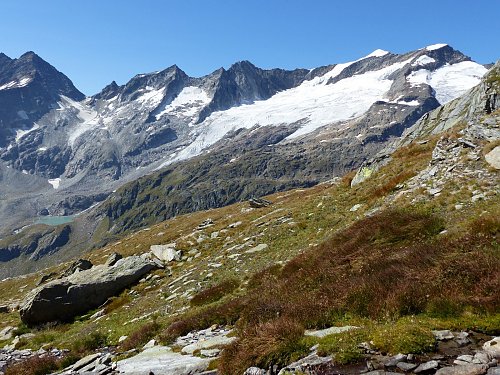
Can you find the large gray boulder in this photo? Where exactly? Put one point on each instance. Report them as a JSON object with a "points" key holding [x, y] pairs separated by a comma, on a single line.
{"points": [[63, 299]]}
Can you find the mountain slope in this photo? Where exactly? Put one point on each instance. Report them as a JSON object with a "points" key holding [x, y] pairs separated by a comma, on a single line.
{"points": [[221, 138]]}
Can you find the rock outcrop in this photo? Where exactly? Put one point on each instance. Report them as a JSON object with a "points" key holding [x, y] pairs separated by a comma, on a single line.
{"points": [[63, 299]]}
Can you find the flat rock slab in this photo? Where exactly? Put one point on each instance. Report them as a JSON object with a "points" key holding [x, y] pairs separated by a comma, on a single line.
{"points": [[162, 360], [329, 331], [211, 342], [468, 369], [427, 366], [63, 299]]}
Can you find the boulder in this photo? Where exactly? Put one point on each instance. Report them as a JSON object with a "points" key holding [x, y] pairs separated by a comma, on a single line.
{"points": [[166, 253], [492, 347], [259, 202], [63, 299]]}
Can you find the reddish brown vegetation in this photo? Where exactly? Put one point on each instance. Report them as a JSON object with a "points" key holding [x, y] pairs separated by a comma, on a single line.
{"points": [[214, 293], [388, 265], [34, 366], [141, 336]]}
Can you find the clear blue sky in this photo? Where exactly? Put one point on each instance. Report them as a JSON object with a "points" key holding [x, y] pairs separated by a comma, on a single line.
{"points": [[97, 41]]}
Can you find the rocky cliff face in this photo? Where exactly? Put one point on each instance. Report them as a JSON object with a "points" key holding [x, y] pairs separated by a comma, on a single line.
{"points": [[29, 89]]}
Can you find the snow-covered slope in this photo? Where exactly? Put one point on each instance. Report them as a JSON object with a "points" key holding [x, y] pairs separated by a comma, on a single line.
{"points": [[449, 81]]}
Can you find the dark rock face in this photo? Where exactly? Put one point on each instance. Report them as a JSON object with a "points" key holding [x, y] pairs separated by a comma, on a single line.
{"points": [[31, 88], [244, 83], [35, 244], [63, 299]]}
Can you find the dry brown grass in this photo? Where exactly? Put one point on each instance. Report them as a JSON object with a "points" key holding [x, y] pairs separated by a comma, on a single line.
{"points": [[274, 342], [214, 293], [117, 302], [34, 366], [389, 265]]}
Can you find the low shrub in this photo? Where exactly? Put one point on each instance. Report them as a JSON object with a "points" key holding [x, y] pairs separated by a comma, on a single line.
{"points": [[277, 342], [384, 267], [403, 336], [90, 342], [34, 366], [214, 293], [343, 345], [140, 336]]}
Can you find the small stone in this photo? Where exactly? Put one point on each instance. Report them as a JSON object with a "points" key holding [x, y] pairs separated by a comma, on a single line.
{"points": [[122, 339], [460, 362], [210, 352], [166, 253], [426, 366], [6, 333], [254, 371], [493, 157], [257, 248], [356, 207], [443, 335], [234, 225], [329, 331], [393, 361], [85, 361], [150, 344], [112, 259], [405, 366], [435, 191], [465, 358], [462, 339], [482, 357]]}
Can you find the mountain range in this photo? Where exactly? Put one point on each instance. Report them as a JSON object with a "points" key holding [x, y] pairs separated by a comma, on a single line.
{"points": [[166, 143]]}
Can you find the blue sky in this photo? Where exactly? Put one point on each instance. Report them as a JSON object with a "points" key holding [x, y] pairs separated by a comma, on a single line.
{"points": [[97, 41]]}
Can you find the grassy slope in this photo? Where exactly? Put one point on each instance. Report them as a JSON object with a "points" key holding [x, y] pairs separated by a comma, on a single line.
{"points": [[376, 271]]}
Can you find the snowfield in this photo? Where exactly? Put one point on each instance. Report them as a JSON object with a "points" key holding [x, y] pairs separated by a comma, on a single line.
{"points": [[450, 81], [188, 103], [314, 102]]}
